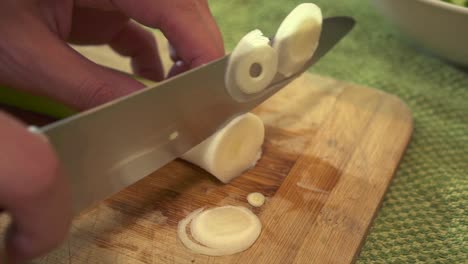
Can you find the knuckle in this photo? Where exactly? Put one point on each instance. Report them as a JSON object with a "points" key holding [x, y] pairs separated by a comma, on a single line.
{"points": [[189, 6], [185, 8], [93, 93]]}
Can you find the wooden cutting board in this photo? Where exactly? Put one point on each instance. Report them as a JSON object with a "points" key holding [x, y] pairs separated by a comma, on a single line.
{"points": [[330, 153]]}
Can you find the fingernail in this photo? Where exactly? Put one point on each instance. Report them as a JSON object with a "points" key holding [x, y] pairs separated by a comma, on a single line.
{"points": [[34, 129], [179, 63], [37, 131], [21, 246], [173, 53]]}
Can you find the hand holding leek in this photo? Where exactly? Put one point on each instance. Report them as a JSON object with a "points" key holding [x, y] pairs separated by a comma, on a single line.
{"points": [[35, 57]]}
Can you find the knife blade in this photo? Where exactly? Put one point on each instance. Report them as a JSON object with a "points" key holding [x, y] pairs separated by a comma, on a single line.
{"points": [[105, 149]]}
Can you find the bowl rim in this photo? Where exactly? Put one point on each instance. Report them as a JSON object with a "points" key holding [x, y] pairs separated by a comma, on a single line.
{"points": [[445, 5]]}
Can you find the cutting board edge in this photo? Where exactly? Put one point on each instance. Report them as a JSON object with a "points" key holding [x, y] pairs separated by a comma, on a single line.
{"points": [[407, 143], [381, 201]]}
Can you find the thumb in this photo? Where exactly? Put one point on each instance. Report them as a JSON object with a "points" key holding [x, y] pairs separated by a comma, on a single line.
{"points": [[33, 190], [37, 60]]}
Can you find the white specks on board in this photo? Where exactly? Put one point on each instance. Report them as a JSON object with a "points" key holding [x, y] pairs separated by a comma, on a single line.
{"points": [[311, 188], [256, 199], [174, 135], [159, 218]]}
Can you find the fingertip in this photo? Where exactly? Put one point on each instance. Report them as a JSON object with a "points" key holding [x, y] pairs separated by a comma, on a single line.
{"points": [[193, 32], [172, 53], [151, 72], [178, 68], [17, 246], [21, 246], [141, 46], [26, 242]]}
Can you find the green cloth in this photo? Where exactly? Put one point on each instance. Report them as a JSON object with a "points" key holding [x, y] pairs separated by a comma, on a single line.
{"points": [[423, 218]]}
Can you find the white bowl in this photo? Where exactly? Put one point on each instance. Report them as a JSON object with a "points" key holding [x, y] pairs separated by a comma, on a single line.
{"points": [[437, 26]]}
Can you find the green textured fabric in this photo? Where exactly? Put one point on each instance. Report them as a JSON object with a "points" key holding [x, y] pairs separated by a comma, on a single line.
{"points": [[424, 216]]}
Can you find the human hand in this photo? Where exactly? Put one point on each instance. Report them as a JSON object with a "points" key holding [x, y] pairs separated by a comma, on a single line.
{"points": [[35, 56], [32, 190]]}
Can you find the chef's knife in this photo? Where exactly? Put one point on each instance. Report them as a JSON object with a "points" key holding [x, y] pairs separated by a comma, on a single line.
{"points": [[110, 147]]}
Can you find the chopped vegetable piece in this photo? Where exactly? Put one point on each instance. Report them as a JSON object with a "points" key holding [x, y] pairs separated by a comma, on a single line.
{"points": [[256, 199], [252, 64], [220, 231], [297, 38], [232, 150]]}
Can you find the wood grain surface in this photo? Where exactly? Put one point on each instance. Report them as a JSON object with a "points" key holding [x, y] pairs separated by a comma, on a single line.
{"points": [[330, 152]]}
